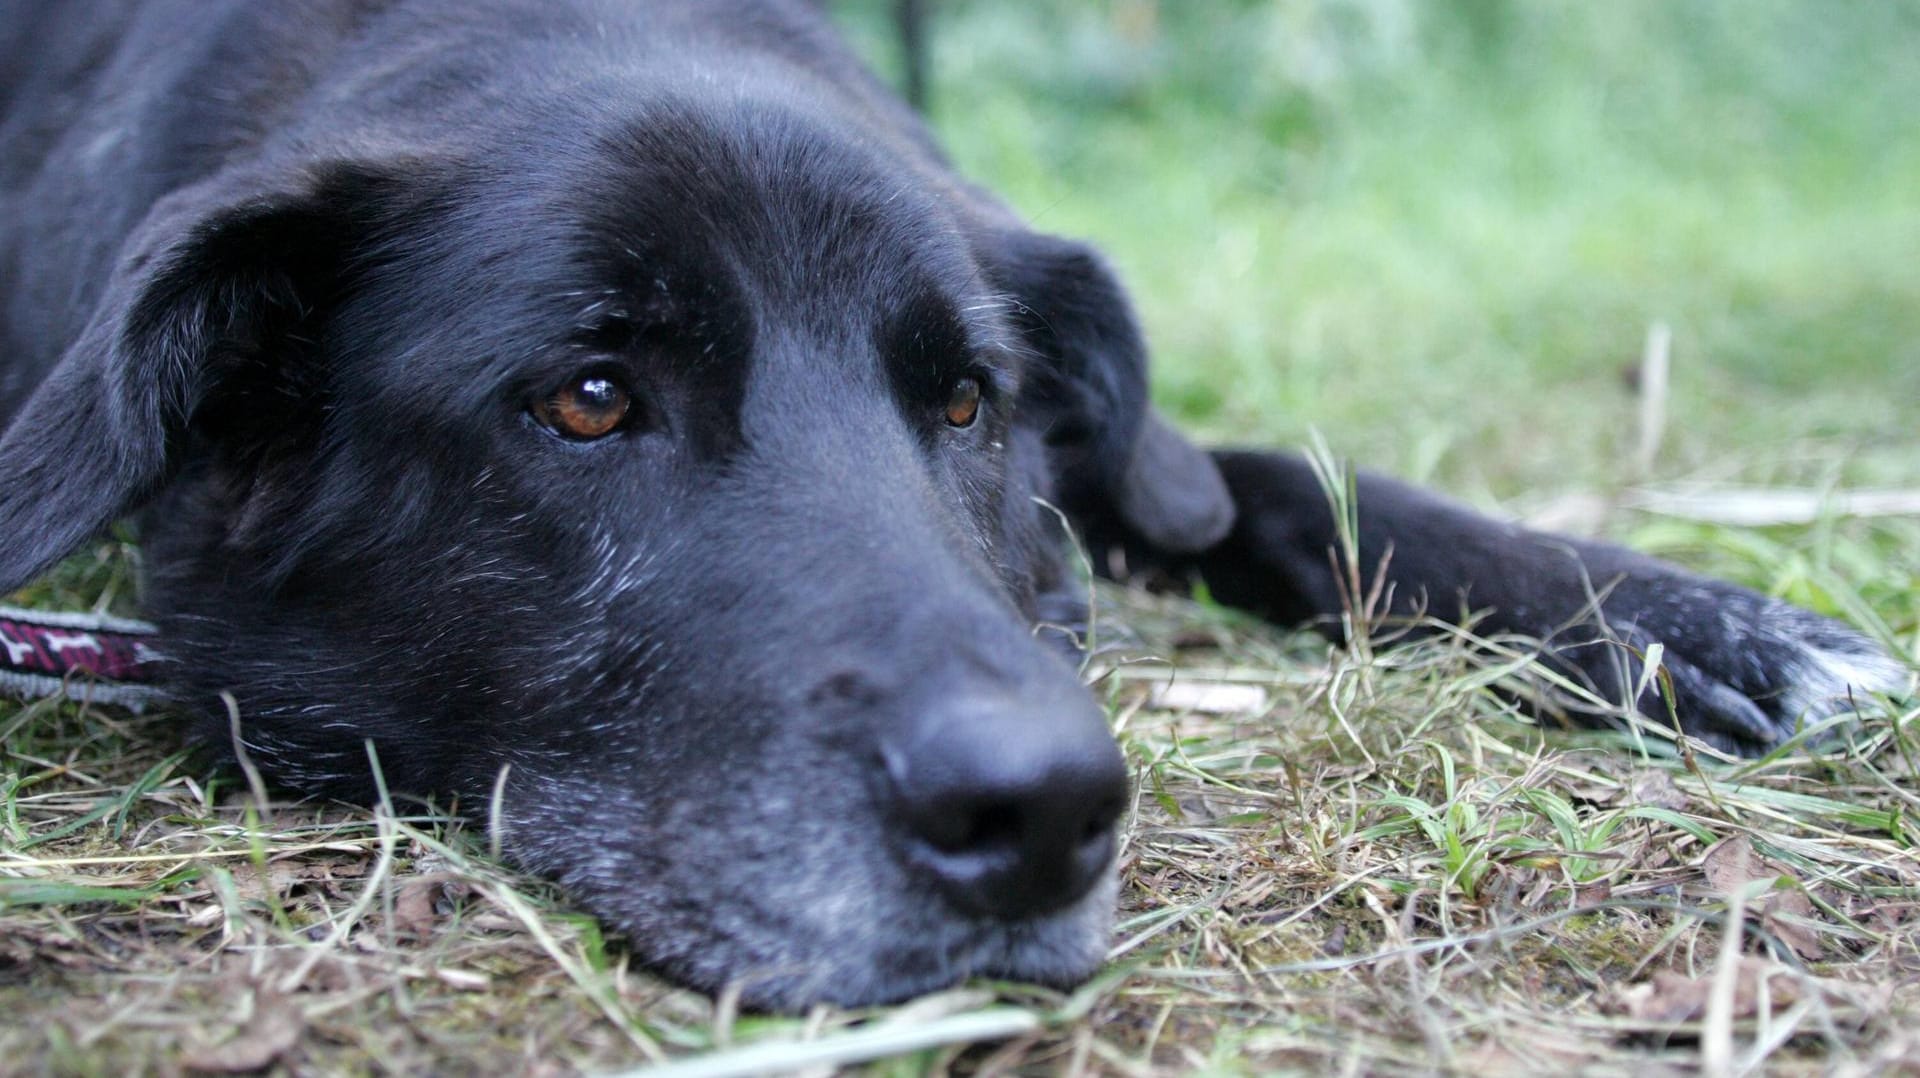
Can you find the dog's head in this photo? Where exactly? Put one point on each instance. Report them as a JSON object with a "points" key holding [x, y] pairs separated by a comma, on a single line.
{"points": [[674, 493]]}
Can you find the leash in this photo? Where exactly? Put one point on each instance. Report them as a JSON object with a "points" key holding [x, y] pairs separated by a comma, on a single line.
{"points": [[92, 658]]}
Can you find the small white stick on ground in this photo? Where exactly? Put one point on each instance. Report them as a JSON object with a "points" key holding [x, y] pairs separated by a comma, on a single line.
{"points": [[1654, 378]]}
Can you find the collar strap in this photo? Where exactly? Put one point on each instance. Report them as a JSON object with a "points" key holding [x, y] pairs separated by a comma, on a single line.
{"points": [[87, 657]]}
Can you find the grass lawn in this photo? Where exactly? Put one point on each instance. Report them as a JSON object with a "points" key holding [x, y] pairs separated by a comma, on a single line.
{"points": [[1439, 236]]}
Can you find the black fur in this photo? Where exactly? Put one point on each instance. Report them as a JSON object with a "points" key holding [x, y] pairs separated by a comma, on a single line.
{"points": [[755, 675]]}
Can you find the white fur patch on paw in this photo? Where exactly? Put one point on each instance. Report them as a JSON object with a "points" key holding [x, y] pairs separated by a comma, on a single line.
{"points": [[1824, 681]]}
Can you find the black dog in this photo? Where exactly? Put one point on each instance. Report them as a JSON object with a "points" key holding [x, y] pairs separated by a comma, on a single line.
{"points": [[623, 405]]}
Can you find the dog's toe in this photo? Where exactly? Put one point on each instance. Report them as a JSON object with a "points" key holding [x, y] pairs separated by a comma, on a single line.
{"points": [[1718, 713], [1835, 673], [1742, 672], [1795, 668]]}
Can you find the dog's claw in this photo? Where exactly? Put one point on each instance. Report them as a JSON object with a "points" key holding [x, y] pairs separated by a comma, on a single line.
{"points": [[1748, 672], [1720, 714]]}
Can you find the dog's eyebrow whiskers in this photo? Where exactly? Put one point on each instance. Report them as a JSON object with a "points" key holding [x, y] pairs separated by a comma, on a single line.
{"points": [[990, 322]]}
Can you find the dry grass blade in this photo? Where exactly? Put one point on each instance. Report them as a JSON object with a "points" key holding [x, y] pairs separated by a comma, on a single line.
{"points": [[854, 1046], [1766, 507]]}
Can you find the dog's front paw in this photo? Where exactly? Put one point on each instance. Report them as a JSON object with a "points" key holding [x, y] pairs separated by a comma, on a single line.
{"points": [[1742, 672]]}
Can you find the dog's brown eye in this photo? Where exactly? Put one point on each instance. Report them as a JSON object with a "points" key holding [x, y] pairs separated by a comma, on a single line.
{"points": [[586, 408], [963, 403]]}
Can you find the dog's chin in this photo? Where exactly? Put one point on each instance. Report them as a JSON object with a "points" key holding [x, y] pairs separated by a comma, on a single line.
{"points": [[883, 956], [1059, 950]]}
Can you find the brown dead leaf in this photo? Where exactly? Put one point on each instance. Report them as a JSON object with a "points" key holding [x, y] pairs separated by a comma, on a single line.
{"points": [[1655, 787], [1596, 794], [282, 877], [1789, 916], [27, 944], [414, 912], [1675, 997], [274, 1028], [1891, 918], [1532, 1057], [319, 974], [1786, 911], [422, 902], [1592, 894], [1730, 864]]}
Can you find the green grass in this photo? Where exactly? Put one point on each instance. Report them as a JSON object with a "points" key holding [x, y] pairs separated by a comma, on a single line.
{"points": [[1438, 235]]}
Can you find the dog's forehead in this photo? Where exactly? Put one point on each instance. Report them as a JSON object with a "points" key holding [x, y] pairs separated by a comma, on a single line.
{"points": [[734, 218], [792, 203]]}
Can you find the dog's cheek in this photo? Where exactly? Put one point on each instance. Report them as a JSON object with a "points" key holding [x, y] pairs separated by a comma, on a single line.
{"points": [[344, 624], [1030, 540], [713, 875]]}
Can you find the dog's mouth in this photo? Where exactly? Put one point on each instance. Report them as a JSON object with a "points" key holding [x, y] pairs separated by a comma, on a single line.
{"points": [[788, 909], [914, 956]]}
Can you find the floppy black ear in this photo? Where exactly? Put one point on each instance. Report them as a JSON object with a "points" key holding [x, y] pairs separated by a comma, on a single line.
{"points": [[212, 278], [1114, 455]]}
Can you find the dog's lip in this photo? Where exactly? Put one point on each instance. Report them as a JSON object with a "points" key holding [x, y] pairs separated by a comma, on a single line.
{"points": [[1057, 950]]}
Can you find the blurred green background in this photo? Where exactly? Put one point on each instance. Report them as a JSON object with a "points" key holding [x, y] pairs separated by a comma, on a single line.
{"points": [[1438, 232]]}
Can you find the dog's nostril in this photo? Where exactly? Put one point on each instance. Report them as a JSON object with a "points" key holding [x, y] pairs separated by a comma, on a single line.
{"points": [[996, 825], [1100, 823], [844, 688], [1009, 812]]}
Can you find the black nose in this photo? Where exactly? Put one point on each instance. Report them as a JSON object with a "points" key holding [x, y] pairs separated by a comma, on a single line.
{"points": [[1009, 806]]}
